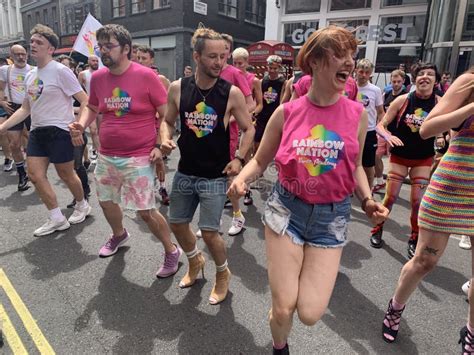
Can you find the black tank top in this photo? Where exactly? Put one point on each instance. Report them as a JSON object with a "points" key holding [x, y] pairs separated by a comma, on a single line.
{"points": [[392, 127], [271, 91], [204, 140], [408, 128]]}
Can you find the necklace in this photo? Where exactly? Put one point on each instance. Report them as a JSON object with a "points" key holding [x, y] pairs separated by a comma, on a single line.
{"points": [[200, 92]]}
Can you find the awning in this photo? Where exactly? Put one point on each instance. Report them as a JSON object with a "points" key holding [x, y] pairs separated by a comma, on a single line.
{"points": [[66, 50]]}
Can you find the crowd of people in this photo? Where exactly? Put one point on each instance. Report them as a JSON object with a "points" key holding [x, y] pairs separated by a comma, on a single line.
{"points": [[326, 129]]}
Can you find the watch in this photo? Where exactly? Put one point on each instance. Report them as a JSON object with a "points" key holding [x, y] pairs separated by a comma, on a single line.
{"points": [[242, 160], [158, 146]]}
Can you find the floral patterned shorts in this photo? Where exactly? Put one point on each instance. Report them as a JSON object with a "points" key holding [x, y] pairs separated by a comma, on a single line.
{"points": [[126, 181]]}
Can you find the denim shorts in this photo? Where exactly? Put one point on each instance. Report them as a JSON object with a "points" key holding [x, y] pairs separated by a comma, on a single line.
{"points": [[51, 142], [188, 191], [320, 225], [126, 181]]}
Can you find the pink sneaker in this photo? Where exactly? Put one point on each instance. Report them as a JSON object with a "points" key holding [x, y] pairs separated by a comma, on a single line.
{"points": [[170, 265], [112, 245]]}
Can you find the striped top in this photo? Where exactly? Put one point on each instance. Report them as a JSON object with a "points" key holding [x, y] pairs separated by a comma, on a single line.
{"points": [[455, 173]]}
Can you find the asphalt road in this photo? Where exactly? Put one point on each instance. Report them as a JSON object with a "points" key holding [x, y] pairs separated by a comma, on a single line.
{"points": [[83, 304]]}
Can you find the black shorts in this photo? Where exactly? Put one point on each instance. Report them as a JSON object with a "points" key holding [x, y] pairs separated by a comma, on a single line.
{"points": [[51, 142], [26, 123], [259, 130], [370, 148]]}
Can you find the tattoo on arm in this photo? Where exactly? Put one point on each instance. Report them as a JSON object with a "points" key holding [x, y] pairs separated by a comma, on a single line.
{"points": [[431, 251]]}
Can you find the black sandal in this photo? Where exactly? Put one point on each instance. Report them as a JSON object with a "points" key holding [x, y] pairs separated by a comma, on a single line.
{"points": [[466, 340], [393, 318]]}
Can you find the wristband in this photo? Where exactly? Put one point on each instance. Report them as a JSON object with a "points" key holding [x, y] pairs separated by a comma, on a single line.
{"points": [[158, 146], [363, 204], [242, 161]]}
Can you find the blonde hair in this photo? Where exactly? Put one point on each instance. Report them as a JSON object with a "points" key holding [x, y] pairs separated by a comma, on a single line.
{"points": [[365, 64], [240, 53], [201, 35], [336, 38], [398, 72]]}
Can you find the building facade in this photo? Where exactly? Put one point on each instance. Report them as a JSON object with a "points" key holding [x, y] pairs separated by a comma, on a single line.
{"points": [[11, 26], [167, 26], [46, 12]]}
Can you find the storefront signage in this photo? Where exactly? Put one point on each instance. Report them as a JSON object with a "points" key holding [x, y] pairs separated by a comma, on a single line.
{"points": [[200, 7], [387, 33]]}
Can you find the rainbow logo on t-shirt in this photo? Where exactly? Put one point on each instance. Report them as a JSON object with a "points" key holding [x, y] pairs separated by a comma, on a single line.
{"points": [[363, 99], [35, 89], [415, 120], [120, 102], [203, 121], [19, 83], [320, 152], [270, 96]]}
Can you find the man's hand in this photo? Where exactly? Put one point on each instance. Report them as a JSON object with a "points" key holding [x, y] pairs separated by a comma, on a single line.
{"points": [[7, 107], [167, 146], [233, 168], [376, 212], [155, 155], [76, 130], [237, 189]]}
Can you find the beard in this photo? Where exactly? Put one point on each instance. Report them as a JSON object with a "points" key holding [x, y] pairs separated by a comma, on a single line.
{"points": [[108, 61]]}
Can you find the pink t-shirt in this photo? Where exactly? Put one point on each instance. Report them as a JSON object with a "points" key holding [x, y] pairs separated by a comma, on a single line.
{"points": [[250, 77], [316, 159], [128, 103], [302, 87]]}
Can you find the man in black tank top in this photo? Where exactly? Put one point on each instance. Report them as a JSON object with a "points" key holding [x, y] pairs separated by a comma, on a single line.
{"points": [[272, 88], [204, 104]]}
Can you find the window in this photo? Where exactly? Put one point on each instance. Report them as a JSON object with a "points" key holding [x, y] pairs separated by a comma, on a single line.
{"points": [[350, 4], [45, 17], [138, 6], [54, 19], [468, 29], [388, 58], [118, 8], [75, 16], [402, 29], [403, 2], [255, 11], [297, 33], [442, 21], [161, 4], [299, 6], [228, 8]]}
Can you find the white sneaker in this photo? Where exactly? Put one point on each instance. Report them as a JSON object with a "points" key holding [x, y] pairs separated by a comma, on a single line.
{"points": [[237, 225], [465, 242], [80, 214], [465, 287], [50, 227]]}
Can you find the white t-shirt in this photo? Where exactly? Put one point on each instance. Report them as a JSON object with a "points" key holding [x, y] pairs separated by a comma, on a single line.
{"points": [[16, 80], [370, 96], [50, 90], [87, 80]]}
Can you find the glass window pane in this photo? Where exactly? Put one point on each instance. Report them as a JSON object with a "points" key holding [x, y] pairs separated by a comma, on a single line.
{"points": [[403, 2], [468, 28], [443, 16], [350, 4], [388, 58], [402, 29], [297, 33], [299, 6]]}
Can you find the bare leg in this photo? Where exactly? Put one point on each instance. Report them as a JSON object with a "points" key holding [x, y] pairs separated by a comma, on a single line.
{"points": [[67, 174], [113, 215], [158, 226], [37, 168]]}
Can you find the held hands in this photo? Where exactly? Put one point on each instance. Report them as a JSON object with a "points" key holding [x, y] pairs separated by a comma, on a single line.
{"points": [[376, 212], [167, 147], [155, 154], [233, 168], [7, 107], [76, 130], [238, 188]]}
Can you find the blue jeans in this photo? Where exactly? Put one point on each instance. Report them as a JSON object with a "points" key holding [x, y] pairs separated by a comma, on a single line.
{"points": [[187, 192], [319, 225]]}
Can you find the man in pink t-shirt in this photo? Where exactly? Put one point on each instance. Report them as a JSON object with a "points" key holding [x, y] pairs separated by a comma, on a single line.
{"points": [[129, 96]]}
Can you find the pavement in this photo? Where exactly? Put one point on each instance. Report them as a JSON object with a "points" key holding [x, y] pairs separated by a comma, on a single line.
{"points": [[58, 296]]}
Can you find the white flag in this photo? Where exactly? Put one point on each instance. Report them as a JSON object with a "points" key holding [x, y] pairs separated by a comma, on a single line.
{"points": [[86, 42]]}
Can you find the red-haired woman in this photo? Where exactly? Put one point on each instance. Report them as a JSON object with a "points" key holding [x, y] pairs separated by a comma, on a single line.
{"points": [[317, 142]]}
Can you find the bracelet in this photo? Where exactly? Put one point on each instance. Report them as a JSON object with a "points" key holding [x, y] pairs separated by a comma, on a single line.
{"points": [[363, 204], [158, 146], [242, 161]]}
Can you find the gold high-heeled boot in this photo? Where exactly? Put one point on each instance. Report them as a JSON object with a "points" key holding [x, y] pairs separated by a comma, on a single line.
{"points": [[196, 264], [221, 287]]}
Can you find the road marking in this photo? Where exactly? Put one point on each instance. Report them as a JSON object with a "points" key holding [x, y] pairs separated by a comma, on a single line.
{"points": [[14, 341], [25, 316]]}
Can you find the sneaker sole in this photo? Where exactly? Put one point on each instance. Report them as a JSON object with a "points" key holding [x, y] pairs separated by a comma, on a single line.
{"points": [[60, 228], [234, 234], [89, 209], [465, 247], [116, 249]]}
